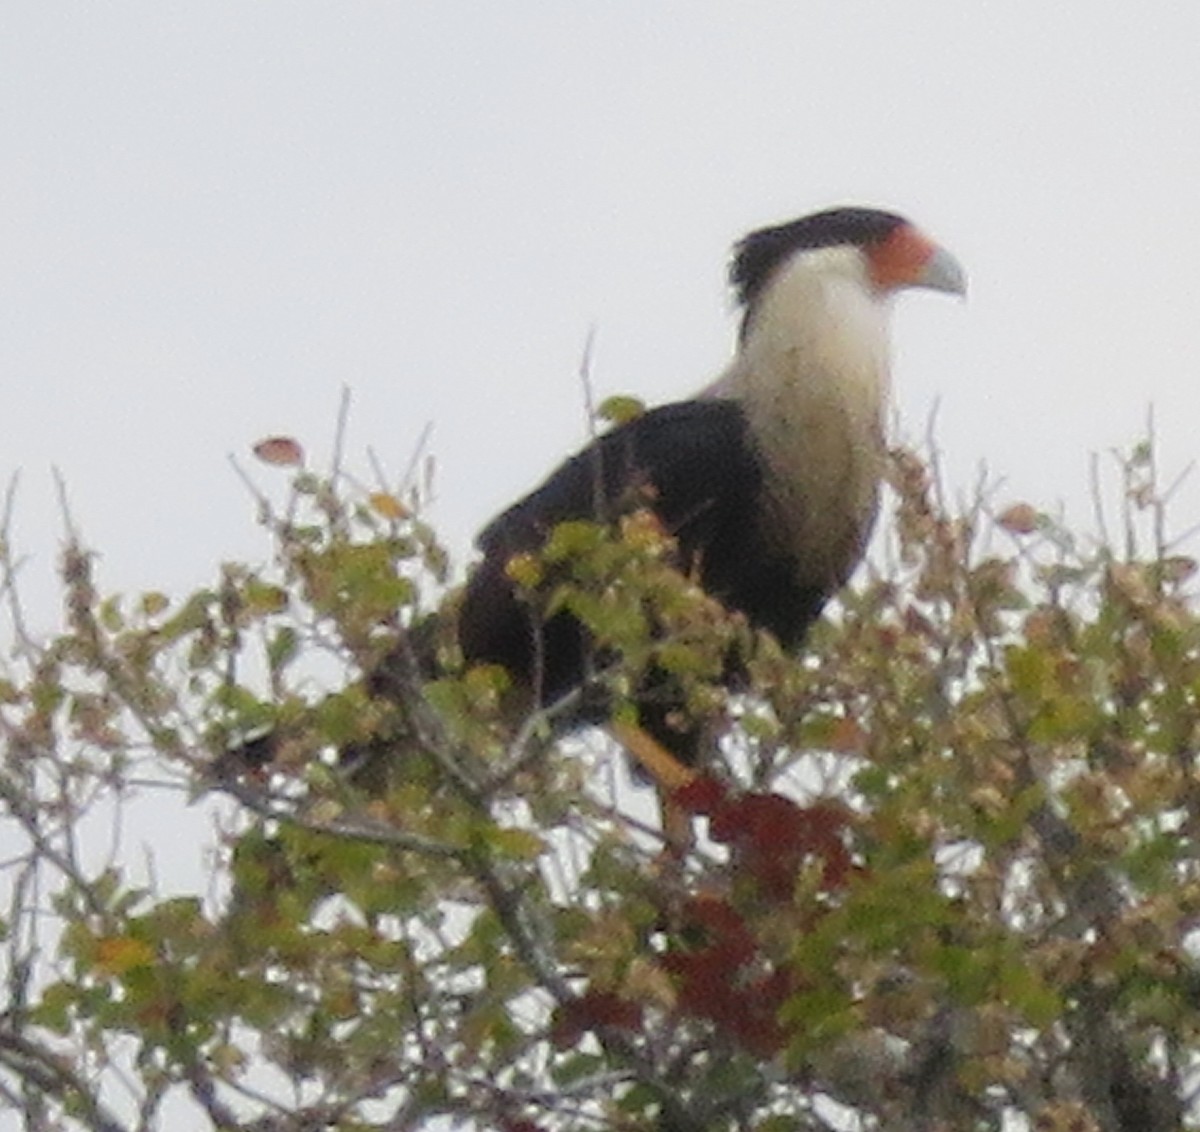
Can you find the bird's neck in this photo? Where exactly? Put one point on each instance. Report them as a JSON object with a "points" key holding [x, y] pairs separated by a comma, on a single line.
{"points": [[812, 377]]}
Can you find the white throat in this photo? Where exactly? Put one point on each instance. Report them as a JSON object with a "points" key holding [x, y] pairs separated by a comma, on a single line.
{"points": [[812, 377]]}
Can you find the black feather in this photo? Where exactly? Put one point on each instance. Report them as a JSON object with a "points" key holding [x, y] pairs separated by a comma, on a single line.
{"points": [[692, 464], [757, 256]]}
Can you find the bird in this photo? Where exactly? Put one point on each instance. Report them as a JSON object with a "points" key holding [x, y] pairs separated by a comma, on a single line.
{"points": [[767, 479]]}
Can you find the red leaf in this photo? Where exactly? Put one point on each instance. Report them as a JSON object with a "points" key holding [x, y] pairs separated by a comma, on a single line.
{"points": [[724, 927], [771, 837], [718, 979], [714, 943], [282, 451], [703, 795], [590, 1010], [756, 1023]]}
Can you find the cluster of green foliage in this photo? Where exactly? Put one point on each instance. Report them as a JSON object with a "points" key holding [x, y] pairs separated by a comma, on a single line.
{"points": [[944, 873]]}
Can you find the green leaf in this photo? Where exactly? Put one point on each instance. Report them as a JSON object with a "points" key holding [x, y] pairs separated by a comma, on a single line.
{"points": [[282, 648], [110, 615], [195, 614], [576, 1067], [620, 409], [260, 598], [154, 603], [573, 539], [782, 1124], [519, 844], [54, 1009]]}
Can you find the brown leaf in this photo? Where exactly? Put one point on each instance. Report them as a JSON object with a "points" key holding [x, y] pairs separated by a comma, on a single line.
{"points": [[1019, 519], [281, 451], [1178, 568], [847, 737], [1130, 580]]}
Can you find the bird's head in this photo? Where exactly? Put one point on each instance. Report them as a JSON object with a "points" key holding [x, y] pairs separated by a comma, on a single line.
{"points": [[892, 252]]}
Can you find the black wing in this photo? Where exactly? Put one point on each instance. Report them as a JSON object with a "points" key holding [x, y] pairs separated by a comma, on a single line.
{"points": [[690, 462]]}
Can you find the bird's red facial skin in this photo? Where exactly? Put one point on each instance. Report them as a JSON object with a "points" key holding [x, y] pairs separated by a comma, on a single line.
{"points": [[900, 260]]}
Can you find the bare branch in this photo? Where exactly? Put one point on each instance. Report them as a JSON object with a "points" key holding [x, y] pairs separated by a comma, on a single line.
{"points": [[54, 1077], [353, 827]]}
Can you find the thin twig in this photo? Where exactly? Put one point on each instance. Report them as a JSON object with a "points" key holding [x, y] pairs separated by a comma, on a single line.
{"points": [[339, 436], [23, 808], [8, 574], [408, 478], [585, 381], [52, 1076], [354, 827]]}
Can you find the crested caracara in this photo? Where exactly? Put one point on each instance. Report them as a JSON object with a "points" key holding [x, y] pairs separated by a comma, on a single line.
{"points": [[767, 479]]}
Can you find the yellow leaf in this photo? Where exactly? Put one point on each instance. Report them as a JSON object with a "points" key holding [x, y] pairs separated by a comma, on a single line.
{"points": [[620, 410], [648, 982], [525, 570], [117, 954], [387, 505], [228, 1059]]}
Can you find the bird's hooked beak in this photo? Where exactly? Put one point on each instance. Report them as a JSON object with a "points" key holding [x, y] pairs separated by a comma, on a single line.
{"points": [[942, 272], [909, 258]]}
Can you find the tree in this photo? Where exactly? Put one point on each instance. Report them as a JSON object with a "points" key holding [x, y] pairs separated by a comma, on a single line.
{"points": [[945, 877]]}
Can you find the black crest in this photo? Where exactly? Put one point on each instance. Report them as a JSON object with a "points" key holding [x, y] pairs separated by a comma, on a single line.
{"points": [[756, 256]]}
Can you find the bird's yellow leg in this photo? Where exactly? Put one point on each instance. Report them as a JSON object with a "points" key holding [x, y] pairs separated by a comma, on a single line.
{"points": [[660, 764], [669, 774]]}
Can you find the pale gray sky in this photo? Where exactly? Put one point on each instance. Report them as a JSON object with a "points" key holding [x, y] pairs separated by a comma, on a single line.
{"points": [[214, 215]]}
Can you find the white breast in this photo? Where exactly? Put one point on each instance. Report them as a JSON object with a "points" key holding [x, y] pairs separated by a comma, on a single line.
{"points": [[812, 376]]}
